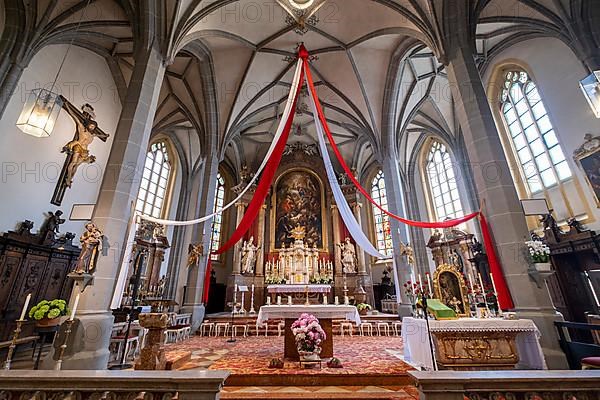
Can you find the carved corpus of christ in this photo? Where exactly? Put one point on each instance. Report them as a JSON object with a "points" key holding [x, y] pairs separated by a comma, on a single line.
{"points": [[86, 129]]}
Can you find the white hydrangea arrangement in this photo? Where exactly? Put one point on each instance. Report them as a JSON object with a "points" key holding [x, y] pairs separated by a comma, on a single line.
{"points": [[539, 252]]}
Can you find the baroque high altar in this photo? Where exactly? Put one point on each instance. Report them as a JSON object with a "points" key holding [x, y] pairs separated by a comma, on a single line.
{"points": [[298, 237]]}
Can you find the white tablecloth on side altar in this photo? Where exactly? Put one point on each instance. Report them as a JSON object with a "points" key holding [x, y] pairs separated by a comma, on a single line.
{"points": [[320, 311], [416, 342], [298, 288]]}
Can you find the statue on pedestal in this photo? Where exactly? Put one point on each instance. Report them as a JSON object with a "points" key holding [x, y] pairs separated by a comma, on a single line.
{"points": [[348, 256], [248, 256], [195, 252], [91, 244]]}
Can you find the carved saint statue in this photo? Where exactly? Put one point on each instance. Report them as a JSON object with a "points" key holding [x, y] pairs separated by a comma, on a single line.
{"points": [[195, 251], [407, 250], [91, 245], [86, 130], [248, 256], [348, 256]]}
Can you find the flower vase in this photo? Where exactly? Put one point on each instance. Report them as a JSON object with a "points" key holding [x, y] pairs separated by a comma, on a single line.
{"points": [[542, 267], [310, 355], [47, 322]]}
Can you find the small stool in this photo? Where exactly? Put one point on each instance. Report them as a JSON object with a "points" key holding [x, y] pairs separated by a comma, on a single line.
{"points": [[280, 328], [263, 325], [219, 325], [369, 327], [132, 342], [397, 326], [348, 326], [385, 326], [590, 363], [244, 327], [210, 326]]}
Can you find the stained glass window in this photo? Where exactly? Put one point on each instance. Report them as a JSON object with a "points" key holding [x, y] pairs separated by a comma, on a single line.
{"points": [[217, 225], [442, 183], [155, 181], [533, 137], [383, 233]]}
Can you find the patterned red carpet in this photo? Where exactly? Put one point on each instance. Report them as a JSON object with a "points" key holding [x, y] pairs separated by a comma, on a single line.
{"points": [[251, 355]]}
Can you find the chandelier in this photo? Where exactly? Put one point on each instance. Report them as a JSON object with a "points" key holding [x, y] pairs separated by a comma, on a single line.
{"points": [[301, 4]]}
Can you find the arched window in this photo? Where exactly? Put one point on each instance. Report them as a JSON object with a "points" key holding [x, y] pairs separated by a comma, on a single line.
{"points": [[217, 225], [445, 198], [533, 138], [383, 232], [155, 183]]}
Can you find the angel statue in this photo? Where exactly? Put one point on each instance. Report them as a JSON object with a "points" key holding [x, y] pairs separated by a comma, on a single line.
{"points": [[406, 250], [195, 252], [348, 256], [248, 256], [85, 132], [91, 245]]}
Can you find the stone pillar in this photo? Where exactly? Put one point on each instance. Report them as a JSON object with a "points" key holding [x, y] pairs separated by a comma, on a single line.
{"points": [[114, 206], [237, 248], [202, 234], [260, 257], [362, 266], [337, 265], [496, 190], [394, 191]]}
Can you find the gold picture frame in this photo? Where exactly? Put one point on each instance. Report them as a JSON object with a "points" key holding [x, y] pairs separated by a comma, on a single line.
{"points": [[587, 157], [450, 288]]}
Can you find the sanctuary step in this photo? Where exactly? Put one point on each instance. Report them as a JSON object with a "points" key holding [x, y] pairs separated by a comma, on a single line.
{"points": [[177, 359], [319, 392]]}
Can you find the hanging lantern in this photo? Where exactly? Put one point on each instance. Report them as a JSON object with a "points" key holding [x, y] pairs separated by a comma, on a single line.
{"points": [[40, 113], [591, 89]]}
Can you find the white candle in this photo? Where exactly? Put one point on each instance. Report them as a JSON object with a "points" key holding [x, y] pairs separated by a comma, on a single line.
{"points": [[27, 300], [494, 285], [421, 283], [337, 300], [481, 285], [429, 284], [268, 300], [75, 307], [290, 300], [324, 300], [471, 283], [278, 300], [413, 280], [346, 300]]}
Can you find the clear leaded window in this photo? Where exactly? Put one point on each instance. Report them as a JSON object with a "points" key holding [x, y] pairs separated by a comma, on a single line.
{"points": [[442, 183], [533, 138], [217, 225], [383, 231], [155, 181]]}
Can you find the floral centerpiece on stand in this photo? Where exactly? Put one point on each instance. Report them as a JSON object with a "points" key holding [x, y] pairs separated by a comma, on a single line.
{"points": [[309, 336], [539, 255], [47, 312]]}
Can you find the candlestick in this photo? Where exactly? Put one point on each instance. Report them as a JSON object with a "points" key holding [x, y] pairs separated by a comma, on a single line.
{"points": [[234, 308], [278, 300], [13, 343], [63, 347], [74, 307], [346, 300], [421, 283], [336, 301], [471, 282], [324, 299], [252, 310], [289, 300], [481, 285], [27, 299], [413, 280], [268, 300], [496, 294]]}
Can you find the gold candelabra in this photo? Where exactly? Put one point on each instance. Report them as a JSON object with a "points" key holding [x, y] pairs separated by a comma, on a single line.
{"points": [[63, 347], [13, 344]]}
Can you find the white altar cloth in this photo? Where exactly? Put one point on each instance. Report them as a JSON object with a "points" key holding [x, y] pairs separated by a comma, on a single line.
{"points": [[416, 342], [320, 311], [300, 288]]}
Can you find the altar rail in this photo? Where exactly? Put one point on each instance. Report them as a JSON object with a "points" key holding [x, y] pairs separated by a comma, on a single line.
{"points": [[111, 385], [518, 385]]}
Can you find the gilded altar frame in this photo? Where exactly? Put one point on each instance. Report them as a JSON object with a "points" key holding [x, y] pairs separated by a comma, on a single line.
{"points": [[273, 212], [460, 281]]}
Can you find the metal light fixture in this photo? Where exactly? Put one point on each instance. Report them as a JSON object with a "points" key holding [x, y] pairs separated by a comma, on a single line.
{"points": [[42, 107], [591, 89], [40, 113]]}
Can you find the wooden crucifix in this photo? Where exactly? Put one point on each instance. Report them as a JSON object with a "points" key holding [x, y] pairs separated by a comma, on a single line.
{"points": [[86, 129]]}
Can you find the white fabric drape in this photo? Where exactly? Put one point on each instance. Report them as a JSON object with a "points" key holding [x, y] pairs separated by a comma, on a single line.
{"points": [[278, 133], [345, 212]]}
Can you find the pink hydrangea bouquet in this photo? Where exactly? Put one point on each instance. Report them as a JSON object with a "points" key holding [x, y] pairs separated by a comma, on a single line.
{"points": [[308, 334]]}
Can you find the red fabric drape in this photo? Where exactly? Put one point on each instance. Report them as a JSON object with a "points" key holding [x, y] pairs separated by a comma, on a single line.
{"points": [[504, 298], [207, 280]]}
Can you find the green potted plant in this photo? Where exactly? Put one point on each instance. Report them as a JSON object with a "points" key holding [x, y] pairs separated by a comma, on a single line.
{"points": [[363, 308], [48, 312]]}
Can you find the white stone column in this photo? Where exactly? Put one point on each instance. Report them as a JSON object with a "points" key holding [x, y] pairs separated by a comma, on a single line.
{"points": [[260, 257], [240, 208], [495, 187], [337, 264], [118, 191]]}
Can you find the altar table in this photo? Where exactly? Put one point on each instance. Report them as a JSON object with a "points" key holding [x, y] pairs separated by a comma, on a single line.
{"points": [[469, 343], [325, 314]]}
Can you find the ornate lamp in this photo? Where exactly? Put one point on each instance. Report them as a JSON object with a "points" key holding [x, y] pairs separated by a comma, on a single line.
{"points": [[591, 89], [39, 113]]}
